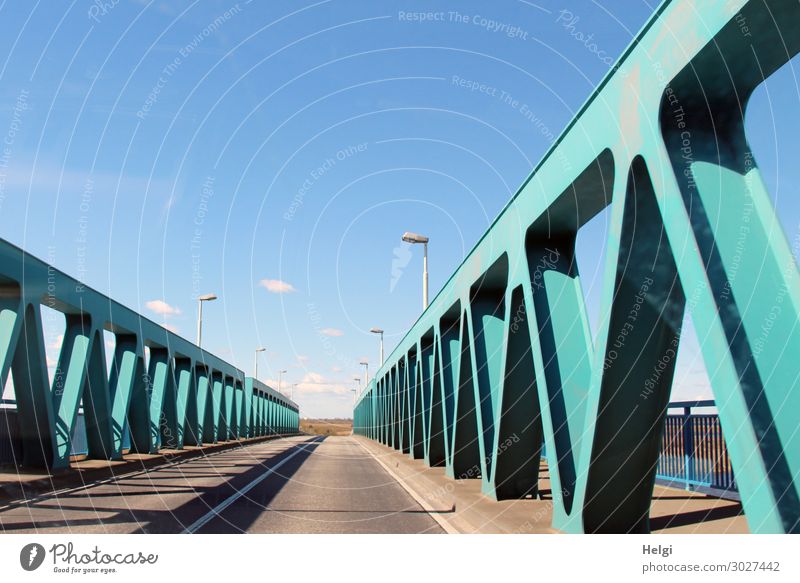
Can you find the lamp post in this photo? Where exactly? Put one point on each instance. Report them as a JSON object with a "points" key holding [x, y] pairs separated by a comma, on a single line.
{"points": [[414, 238], [200, 300], [255, 367], [280, 379], [293, 386], [357, 380], [379, 331], [365, 364]]}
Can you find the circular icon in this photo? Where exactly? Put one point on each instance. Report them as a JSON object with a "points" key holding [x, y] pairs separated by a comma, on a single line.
{"points": [[31, 556]]}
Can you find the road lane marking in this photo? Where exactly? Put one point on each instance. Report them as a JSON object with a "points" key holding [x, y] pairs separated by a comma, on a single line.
{"points": [[215, 512], [446, 526]]}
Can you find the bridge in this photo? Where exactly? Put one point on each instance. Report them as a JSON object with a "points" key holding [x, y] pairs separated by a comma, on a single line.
{"points": [[498, 402], [502, 361]]}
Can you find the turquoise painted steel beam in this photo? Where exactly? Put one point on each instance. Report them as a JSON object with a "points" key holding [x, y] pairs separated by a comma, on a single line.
{"points": [[203, 395], [185, 402], [126, 372], [192, 433], [68, 383], [249, 408], [159, 375]]}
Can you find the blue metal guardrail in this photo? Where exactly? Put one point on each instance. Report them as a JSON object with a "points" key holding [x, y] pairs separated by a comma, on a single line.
{"points": [[693, 451], [503, 358], [179, 395]]}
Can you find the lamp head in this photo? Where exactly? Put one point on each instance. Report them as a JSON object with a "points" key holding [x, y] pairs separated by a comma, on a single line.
{"points": [[207, 298], [414, 238], [376, 331]]}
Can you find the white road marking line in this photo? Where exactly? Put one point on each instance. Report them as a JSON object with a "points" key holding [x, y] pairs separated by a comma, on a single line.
{"points": [[214, 512], [446, 526]]}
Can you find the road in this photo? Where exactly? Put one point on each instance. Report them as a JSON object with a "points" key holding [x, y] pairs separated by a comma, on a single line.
{"points": [[294, 485]]}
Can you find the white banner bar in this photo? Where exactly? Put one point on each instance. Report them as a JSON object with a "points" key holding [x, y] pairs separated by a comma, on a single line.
{"points": [[349, 558]]}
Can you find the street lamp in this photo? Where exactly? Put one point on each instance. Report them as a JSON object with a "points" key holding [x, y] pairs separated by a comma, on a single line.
{"points": [[414, 238], [379, 331], [200, 300], [255, 368], [364, 363], [280, 378], [293, 386], [358, 380]]}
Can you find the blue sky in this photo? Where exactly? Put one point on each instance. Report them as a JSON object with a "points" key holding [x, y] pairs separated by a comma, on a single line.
{"points": [[274, 152]]}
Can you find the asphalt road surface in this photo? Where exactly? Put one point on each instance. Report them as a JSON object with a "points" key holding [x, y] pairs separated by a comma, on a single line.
{"points": [[292, 485]]}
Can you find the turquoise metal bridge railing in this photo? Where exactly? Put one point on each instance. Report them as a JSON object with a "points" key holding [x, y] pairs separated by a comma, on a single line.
{"points": [[182, 396], [503, 355]]}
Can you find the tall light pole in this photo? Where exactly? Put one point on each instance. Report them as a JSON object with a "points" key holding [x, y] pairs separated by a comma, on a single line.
{"points": [[255, 367], [364, 363], [200, 300], [293, 386], [358, 380], [280, 379], [379, 331], [414, 238]]}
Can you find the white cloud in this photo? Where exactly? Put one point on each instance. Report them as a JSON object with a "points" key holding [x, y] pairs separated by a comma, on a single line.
{"points": [[331, 332], [162, 308], [314, 383], [313, 377], [277, 286]]}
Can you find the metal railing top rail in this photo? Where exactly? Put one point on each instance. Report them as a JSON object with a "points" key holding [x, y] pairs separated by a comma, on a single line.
{"points": [[692, 404]]}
